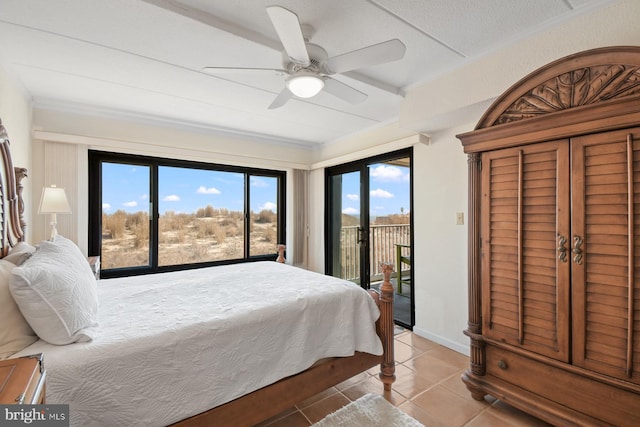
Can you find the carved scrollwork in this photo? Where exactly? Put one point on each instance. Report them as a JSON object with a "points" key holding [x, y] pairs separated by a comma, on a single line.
{"points": [[575, 88]]}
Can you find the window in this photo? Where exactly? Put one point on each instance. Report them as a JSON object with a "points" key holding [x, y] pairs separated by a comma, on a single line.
{"points": [[149, 214]]}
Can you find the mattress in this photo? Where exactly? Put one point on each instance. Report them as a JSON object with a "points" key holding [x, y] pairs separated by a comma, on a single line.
{"points": [[172, 345]]}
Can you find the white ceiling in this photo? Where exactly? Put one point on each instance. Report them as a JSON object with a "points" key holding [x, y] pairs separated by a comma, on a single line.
{"points": [[144, 58]]}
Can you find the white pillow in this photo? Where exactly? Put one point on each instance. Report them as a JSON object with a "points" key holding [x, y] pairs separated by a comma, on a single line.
{"points": [[56, 292], [15, 332], [21, 252]]}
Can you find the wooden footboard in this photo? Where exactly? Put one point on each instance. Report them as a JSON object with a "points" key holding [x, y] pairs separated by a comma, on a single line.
{"points": [[269, 401]]}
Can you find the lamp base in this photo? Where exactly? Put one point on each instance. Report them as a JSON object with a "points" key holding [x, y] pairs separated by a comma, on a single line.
{"points": [[54, 231]]}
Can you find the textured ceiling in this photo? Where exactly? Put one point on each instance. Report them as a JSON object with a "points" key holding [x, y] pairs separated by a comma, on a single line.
{"points": [[144, 58]]}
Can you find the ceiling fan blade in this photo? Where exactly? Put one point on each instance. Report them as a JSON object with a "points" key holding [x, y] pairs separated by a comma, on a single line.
{"points": [[288, 28], [241, 70], [343, 91], [281, 99], [388, 51]]}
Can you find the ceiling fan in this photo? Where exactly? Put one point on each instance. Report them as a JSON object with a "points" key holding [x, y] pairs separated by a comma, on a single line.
{"points": [[308, 66]]}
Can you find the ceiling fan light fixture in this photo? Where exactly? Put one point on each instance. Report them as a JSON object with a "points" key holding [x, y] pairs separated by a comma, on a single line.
{"points": [[305, 84]]}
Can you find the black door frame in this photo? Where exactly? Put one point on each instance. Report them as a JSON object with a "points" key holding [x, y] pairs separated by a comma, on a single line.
{"points": [[362, 167]]}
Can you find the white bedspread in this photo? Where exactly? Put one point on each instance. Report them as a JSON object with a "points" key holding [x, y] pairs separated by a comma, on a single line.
{"points": [[172, 345]]}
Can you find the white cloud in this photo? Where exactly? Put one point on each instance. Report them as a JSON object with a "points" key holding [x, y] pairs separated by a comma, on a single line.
{"points": [[106, 206], [353, 197], [171, 198], [131, 204], [204, 190], [383, 194], [350, 211], [388, 173], [256, 182], [269, 206], [144, 197]]}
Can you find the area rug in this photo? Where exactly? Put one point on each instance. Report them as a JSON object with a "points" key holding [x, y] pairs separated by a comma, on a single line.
{"points": [[371, 410]]}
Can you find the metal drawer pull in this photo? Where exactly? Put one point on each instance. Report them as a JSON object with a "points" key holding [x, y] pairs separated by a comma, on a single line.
{"points": [[562, 251], [502, 364], [577, 242]]}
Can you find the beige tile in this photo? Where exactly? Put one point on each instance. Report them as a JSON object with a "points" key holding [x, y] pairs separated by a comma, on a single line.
{"points": [[278, 417], [324, 407], [447, 407], [450, 356], [415, 341], [514, 416], [487, 419], [432, 367], [428, 387], [318, 397], [455, 384], [296, 419], [410, 383], [373, 385], [404, 352], [414, 411]]}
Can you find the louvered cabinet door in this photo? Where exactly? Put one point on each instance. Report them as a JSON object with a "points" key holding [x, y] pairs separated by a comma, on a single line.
{"points": [[525, 268], [606, 258]]}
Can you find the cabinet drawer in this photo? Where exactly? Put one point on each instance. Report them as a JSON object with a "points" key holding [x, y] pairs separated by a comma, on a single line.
{"points": [[22, 380], [566, 387]]}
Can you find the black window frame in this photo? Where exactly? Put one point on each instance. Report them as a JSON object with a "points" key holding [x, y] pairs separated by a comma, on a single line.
{"points": [[96, 158]]}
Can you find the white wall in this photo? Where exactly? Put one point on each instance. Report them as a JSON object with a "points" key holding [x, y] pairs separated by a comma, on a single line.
{"points": [[15, 112], [440, 246], [438, 104], [442, 108], [447, 106], [62, 139]]}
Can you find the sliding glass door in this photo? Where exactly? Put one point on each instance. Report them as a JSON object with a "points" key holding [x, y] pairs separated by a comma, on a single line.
{"points": [[348, 246], [369, 221]]}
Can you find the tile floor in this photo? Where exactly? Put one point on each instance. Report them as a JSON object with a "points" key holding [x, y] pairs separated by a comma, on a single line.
{"points": [[427, 387]]}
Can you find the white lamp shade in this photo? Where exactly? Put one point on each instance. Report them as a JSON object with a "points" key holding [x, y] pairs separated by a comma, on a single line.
{"points": [[53, 200], [304, 84]]}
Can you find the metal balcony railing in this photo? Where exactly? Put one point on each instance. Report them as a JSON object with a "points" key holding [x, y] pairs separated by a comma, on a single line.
{"points": [[382, 248]]}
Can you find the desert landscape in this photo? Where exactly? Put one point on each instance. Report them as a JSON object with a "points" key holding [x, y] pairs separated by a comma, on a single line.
{"points": [[208, 234]]}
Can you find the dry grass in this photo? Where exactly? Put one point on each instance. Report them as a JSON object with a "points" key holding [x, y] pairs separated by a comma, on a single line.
{"points": [[207, 235]]}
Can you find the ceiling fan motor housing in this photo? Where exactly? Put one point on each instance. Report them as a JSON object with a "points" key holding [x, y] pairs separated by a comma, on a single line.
{"points": [[317, 55]]}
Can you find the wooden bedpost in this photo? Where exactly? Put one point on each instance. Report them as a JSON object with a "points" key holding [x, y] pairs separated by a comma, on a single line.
{"points": [[21, 173], [281, 249], [388, 365]]}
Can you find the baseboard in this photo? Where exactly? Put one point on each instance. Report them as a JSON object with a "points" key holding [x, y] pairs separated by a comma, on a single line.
{"points": [[456, 346]]}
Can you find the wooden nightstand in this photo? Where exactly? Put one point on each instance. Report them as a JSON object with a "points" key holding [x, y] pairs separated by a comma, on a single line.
{"points": [[94, 263], [22, 380]]}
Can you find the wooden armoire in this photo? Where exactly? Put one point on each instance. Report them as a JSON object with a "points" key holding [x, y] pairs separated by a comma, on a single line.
{"points": [[554, 242]]}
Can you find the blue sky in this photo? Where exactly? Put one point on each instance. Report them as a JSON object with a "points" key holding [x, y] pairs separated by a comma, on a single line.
{"points": [[126, 187], [389, 190]]}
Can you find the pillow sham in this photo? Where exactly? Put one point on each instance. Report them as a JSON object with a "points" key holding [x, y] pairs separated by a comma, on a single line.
{"points": [[57, 292], [21, 252], [15, 332]]}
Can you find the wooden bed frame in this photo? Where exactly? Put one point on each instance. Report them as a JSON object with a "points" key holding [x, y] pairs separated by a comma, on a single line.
{"points": [[261, 404], [266, 402]]}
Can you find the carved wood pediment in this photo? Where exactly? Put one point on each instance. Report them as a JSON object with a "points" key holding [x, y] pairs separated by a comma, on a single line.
{"points": [[575, 88], [593, 78]]}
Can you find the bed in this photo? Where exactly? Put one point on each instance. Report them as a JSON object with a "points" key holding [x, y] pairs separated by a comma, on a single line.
{"points": [[227, 345]]}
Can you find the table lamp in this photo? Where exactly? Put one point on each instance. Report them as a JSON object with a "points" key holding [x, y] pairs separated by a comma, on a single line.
{"points": [[54, 201]]}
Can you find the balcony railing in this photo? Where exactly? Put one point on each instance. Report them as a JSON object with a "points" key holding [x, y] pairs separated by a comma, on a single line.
{"points": [[382, 248]]}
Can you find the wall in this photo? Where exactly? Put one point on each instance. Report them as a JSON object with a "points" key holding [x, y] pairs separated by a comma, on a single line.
{"points": [[437, 104], [447, 106], [15, 113], [62, 139], [442, 108]]}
